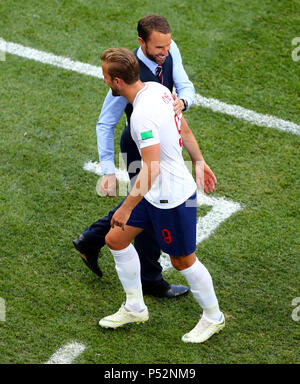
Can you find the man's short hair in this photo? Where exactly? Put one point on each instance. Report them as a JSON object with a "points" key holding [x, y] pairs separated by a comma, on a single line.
{"points": [[122, 63], [151, 23]]}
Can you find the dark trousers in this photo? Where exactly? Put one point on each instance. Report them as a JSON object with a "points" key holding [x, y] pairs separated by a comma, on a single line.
{"points": [[145, 243]]}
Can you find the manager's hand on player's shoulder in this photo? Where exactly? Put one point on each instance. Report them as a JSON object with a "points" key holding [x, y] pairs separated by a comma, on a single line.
{"points": [[178, 105], [108, 186]]}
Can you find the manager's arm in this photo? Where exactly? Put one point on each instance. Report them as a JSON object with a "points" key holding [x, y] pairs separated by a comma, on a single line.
{"points": [[184, 87], [111, 112]]}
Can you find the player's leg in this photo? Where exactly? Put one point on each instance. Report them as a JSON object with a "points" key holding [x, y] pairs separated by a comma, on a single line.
{"points": [[146, 243], [129, 272], [148, 250], [176, 231], [118, 239], [201, 285]]}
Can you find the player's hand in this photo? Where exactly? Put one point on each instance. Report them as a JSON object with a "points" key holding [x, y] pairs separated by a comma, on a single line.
{"points": [[108, 186], [177, 104], [120, 218], [205, 177]]}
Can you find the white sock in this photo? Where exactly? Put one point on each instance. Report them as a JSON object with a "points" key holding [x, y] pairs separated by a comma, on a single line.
{"points": [[202, 288], [129, 271]]}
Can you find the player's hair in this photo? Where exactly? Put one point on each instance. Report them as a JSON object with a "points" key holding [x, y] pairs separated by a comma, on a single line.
{"points": [[122, 63], [151, 23]]}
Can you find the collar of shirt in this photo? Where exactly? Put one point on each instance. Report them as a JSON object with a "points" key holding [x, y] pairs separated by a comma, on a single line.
{"points": [[152, 65], [149, 63], [139, 93]]}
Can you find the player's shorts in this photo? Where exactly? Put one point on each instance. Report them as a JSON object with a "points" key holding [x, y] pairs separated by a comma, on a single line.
{"points": [[174, 228]]}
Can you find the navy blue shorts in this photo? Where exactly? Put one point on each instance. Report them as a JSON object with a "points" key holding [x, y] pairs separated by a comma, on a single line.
{"points": [[174, 228]]}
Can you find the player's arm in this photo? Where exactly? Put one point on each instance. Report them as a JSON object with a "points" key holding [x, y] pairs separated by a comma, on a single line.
{"points": [[205, 177], [146, 177], [111, 112]]}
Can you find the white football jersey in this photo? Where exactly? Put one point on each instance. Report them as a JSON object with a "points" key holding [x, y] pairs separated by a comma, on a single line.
{"points": [[153, 121]]}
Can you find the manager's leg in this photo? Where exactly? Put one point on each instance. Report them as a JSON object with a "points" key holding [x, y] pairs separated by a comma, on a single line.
{"points": [[92, 239], [153, 283]]}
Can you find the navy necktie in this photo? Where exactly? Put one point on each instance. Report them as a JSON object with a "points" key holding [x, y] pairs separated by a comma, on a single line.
{"points": [[159, 73]]}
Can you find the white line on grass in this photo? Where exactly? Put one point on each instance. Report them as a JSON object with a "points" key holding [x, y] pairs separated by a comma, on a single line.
{"points": [[2, 309], [95, 167], [221, 210], [57, 61], [66, 354], [210, 103], [247, 115]]}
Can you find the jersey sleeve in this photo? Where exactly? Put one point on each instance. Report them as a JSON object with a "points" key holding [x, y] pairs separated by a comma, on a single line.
{"points": [[145, 131]]}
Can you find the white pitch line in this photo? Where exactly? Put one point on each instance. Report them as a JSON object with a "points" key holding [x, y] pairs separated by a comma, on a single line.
{"points": [[210, 103], [2, 309], [66, 354], [221, 210], [95, 167], [247, 115], [57, 61]]}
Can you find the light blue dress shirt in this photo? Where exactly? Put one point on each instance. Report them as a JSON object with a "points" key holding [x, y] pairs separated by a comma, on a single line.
{"points": [[113, 107]]}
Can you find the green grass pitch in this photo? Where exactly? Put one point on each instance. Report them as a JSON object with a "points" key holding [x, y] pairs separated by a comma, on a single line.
{"points": [[235, 51]]}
